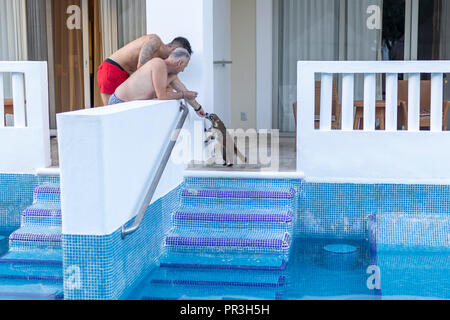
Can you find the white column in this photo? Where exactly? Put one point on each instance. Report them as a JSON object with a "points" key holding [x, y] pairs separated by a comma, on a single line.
{"points": [[193, 20], [391, 101], [437, 97], [370, 90], [348, 94], [18, 87], [414, 102], [326, 92]]}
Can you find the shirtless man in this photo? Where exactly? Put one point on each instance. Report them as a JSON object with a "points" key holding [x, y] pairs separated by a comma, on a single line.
{"points": [[158, 78], [118, 68]]}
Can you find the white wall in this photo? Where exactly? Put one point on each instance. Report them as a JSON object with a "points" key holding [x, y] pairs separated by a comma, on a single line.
{"points": [[243, 54], [25, 147], [107, 159], [369, 155], [192, 19]]}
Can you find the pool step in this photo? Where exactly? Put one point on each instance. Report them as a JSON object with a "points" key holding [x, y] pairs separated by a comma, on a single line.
{"points": [[281, 194], [20, 289], [48, 192], [242, 239], [181, 292], [234, 217], [38, 264], [36, 237], [218, 278], [214, 261], [42, 215]]}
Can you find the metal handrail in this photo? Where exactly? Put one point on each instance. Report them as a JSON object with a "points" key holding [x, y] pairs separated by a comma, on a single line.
{"points": [[162, 166]]}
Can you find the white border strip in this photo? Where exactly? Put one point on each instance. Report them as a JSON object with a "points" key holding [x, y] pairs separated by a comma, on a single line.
{"points": [[48, 172], [243, 175], [378, 181]]}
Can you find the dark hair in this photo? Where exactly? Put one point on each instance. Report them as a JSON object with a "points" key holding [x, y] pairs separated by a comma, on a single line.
{"points": [[182, 43]]}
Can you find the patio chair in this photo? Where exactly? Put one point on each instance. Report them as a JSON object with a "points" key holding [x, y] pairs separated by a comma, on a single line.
{"points": [[425, 100], [8, 108]]}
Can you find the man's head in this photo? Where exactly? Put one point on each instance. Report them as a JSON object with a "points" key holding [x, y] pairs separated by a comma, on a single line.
{"points": [[178, 60], [181, 42]]}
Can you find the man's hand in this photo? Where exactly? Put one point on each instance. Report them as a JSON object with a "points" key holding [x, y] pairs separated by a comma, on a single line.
{"points": [[201, 113], [190, 95]]}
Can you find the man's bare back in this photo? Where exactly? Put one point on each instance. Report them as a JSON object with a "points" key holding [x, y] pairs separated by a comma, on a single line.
{"points": [[129, 56], [140, 85]]}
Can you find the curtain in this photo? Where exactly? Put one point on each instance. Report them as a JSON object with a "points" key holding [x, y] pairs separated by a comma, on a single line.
{"points": [[37, 30], [444, 45], [109, 20], [122, 22], [68, 60], [13, 36], [132, 20], [324, 30]]}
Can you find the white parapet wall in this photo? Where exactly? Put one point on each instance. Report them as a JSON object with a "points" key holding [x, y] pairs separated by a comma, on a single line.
{"points": [[369, 155], [25, 146], [108, 157]]}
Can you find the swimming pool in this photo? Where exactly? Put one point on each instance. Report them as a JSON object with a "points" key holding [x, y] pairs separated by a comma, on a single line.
{"points": [[307, 241]]}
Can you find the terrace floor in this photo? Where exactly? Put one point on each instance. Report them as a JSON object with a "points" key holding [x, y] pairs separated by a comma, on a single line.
{"points": [[287, 159]]}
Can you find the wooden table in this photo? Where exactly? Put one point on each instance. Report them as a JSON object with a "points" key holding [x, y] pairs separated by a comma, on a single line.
{"points": [[8, 108], [380, 113]]}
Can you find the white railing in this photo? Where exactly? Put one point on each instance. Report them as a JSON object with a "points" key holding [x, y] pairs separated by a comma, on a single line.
{"points": [[389, 155], [25, 146]]}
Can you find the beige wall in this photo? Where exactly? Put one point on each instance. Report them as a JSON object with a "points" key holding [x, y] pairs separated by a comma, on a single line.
{"points": [[243, 54]]}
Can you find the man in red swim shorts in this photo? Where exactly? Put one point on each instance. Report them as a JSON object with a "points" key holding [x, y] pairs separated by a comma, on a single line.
{"points": [[117, 69]]}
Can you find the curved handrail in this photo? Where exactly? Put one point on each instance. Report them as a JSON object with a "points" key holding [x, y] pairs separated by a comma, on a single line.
{"points": [[162, 166]]}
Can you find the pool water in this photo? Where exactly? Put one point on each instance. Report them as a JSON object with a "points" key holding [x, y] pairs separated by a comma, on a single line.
{"points": [[311, 273]]}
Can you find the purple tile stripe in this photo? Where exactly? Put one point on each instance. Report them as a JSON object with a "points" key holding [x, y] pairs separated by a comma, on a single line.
{"points": [[230, 242], [29, 277], [32, 296], [221, 194], [53, 238], [47, 190], [24, 261], [231, 217], [224, 267], [42, 213], [280, 283]]}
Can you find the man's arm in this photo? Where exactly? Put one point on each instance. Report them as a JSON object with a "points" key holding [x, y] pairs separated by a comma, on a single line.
{"points": [[149, 50], [159, 79], [178, 86]]}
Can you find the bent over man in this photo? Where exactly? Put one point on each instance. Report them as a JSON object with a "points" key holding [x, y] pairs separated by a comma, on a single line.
{"points": [[158, 78], [117, 69]]}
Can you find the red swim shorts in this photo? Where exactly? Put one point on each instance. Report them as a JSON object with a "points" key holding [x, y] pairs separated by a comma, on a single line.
{"points": [[110, 77]]}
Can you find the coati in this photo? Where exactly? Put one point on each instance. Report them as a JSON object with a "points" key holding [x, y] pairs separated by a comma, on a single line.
{"points": [[219, 132]]}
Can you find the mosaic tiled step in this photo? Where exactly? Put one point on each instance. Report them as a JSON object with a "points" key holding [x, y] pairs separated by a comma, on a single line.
{"points": [[19, 289], [238, 238], [38, 264], [47, 192], [236, 261], [183, 292], [36, 237], [220, 278], [234, 215], [239, 194], [42, 215]]}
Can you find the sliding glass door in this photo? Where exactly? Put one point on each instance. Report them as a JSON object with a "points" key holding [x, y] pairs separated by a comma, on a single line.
{"points": [[323, 30], [353, 30]]}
